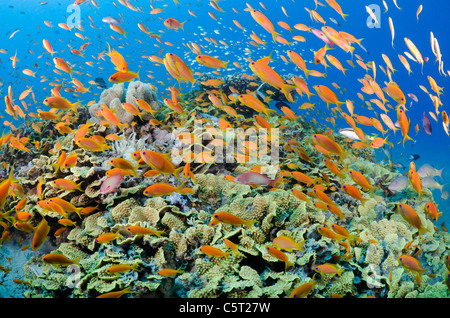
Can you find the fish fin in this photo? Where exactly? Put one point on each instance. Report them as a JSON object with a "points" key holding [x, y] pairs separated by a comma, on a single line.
{"points": [[363, 201], [406, 138], [78, 187], [249, 223], [287, 89], [300, 245], [177, 172], [288, 264], [273, 182], [422, 230]]}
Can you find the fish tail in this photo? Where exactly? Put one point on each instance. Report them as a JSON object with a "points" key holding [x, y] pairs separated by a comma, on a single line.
{"points": [[249, 223], [288, 264], [300, 245], [274, 36], [76, 260], [406, 137], [78, 187], [363, 201], [423, 230], [78, 210], [287, 89], [13, 179], [177, 172], [122, 126], [75, 106], [268, 111], [273, 182], [440, 175]]}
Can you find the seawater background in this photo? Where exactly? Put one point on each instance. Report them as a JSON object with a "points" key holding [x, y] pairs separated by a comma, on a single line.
{"points": [[29, 16]]}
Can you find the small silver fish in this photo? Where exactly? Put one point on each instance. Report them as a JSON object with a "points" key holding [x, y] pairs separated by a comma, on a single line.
{"points": [[428, 170], [349, 133], [335, 21], [111, 20], [430, 183]]}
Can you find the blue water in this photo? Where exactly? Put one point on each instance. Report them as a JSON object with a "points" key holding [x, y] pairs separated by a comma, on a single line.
{"points": [[28, 17]]}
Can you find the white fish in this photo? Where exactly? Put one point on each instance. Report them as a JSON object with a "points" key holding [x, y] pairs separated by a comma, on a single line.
{"points": [[428, 170], [430, 183], [349, 133], [399, 184]]}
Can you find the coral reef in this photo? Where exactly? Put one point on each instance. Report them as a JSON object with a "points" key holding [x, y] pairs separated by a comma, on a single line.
{"points": [[148, 234]]}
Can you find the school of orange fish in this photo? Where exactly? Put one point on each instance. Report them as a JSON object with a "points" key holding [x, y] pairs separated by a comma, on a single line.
{"points": [[61, 115]]}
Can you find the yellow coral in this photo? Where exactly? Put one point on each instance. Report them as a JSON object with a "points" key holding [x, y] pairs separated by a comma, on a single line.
{"points": [[123, 209], [173, 221]]}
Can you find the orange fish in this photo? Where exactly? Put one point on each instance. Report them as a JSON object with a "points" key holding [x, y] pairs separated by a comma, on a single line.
{"points": [[124, 164], [432, 211], [303, 290], [263, 21], [411, 216], [123, 76], [160, 189], [62, 65], [231, 245], [213, 251], [211, 61], [330, 145], [70, 161], [174, 24], [228, 218], [40, 234], [169, 272], [324, 231], [280, 256], [361, 180], [116, 294], [158, 161], [60, 103], [108, 237], [67, 185], [139, 230], [121, 268], [48, 47], [416, 182], [327, 95], [58, 259], [412, 264], [286, 243], [330, 269], [354, 192]]}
